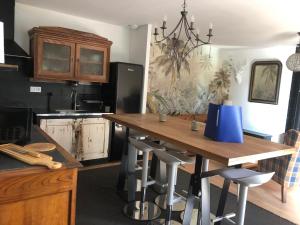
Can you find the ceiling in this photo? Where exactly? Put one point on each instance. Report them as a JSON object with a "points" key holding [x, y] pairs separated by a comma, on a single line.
{"points": [[236, 22]]}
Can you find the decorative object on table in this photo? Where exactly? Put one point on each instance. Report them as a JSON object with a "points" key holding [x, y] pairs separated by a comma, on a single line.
{"points": [[224, 123], [29, 157], [163, 112], [162, 117], [293, 61], [40, 147], [1, 43], [265, 82], [287, 168], [184, 34], [195, 125]]}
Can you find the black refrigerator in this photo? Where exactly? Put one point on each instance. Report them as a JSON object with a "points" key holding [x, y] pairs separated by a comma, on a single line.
{"points": [[123, 94]]}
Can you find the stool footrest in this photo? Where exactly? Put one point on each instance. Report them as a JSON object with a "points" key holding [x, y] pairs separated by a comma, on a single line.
{"points": [[151, 182], [225, 217], [178, 199]]}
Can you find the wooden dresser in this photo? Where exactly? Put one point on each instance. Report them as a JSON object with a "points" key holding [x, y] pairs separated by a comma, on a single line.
{"points": [[34, 195]]}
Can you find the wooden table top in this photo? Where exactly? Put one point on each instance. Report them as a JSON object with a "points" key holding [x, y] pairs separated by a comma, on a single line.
{"points": [[178, 132]]}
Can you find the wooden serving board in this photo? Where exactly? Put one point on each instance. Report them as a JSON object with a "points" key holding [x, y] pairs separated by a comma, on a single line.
{"points": [[24, 155], [40, 147]]}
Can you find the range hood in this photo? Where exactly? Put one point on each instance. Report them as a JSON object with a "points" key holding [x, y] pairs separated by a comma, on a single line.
{"points": [[7, 16]]}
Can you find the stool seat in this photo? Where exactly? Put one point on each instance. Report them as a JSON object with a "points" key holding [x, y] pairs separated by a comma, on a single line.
{"points": [[173, 147], [137, 135], [246, 177], [145, 145], [233, 173], [174, 157]]}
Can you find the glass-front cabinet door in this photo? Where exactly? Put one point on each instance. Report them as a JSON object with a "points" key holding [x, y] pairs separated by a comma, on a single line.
{"points": [[91, 63], [56, 59]]}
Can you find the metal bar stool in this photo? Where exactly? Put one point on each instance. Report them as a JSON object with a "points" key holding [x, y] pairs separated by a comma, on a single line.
{"points": [[172, 159], [143, 210], [161, 200], [244, 178], [138, 136]]}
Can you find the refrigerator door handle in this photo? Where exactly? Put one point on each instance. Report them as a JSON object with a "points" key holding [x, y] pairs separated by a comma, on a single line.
{"points": [[118, 125]]}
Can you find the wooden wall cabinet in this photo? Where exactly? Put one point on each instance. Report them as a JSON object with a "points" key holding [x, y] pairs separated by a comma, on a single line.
{"points": [[65, 54], [85, 139]]}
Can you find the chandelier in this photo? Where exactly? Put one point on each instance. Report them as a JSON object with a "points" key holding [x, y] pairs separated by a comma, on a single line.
{"points": [[293, 61], [182, 46]]}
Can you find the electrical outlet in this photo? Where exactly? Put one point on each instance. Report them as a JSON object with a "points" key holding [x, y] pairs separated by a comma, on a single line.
{"points": [[35, 89]]}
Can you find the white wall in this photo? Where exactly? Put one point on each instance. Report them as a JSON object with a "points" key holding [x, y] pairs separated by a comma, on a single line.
{"points": [[27, 17], [139, 53], [260, 117]]}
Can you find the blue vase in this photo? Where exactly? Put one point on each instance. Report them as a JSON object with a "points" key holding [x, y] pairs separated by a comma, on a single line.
{"points": [[224, 123]]}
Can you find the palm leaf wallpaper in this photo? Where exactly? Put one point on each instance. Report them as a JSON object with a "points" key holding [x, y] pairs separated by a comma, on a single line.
{"points": [[187, 86]]}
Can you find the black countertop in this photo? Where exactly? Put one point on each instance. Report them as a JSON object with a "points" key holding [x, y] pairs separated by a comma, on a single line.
{"points": [[8, 163], [39, 114]]}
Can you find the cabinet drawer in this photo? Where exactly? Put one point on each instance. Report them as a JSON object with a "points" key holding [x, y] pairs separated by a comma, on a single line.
{"points": [[21, 187]]}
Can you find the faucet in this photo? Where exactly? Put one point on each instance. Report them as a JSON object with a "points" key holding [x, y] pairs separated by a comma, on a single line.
{"points": [[74, 96]]}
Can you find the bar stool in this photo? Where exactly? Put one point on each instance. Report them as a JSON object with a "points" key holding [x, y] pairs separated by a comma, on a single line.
{"points": [[172, 159], [143, 210], [161, 200], [138, 136], [245, 178]]}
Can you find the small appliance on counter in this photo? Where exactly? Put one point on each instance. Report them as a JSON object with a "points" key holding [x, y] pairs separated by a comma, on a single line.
{"points": [[123, 94]]}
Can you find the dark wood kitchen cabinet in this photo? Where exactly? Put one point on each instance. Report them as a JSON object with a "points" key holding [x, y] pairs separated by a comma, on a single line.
{"points": [[65, 54]]}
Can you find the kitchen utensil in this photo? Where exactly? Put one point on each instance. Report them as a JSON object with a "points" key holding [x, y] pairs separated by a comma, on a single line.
{"points": [[22, 150], [40, 147], [31, 160]]}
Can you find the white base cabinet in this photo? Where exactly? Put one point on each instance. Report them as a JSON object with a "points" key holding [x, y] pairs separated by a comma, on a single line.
{"points": [[85, 139]]}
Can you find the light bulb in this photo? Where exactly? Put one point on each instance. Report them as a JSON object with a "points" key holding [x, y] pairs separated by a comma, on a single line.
{"points": [[165, 18], [192, 19]]}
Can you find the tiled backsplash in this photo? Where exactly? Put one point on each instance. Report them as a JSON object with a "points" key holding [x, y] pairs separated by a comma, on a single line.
{"points": [[15, 91]]}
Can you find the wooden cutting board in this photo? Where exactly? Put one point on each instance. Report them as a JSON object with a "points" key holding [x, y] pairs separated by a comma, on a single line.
{"points": [[31, 158], [40, 147]]}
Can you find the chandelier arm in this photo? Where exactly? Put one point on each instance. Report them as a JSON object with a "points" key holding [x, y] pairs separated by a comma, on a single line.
{"points": [[187, 30], [186, 26], [183, 50], [191, 49], [173, 31], [180, 29]]}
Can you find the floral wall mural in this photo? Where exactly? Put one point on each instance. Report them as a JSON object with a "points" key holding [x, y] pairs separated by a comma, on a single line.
{"points": [[187, 87]]}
